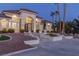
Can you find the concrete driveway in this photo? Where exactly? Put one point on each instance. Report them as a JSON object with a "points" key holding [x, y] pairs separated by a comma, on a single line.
{"points": [[47, 47]]}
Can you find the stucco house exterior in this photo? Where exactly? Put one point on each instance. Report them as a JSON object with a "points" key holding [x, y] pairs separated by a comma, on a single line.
{"points": [[23, 19]]}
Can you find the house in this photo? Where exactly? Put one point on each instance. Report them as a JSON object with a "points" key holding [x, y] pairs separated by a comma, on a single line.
{"points": [[47, 25], [24, 19]]}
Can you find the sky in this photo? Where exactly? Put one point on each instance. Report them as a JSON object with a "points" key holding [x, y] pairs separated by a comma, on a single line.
{"points": [[44, 9]]}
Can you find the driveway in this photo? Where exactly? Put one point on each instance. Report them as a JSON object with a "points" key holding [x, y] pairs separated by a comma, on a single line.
{"points": [[47, 47], [15, 44]]}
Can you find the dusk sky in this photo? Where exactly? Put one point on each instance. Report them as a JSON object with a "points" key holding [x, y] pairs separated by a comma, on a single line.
{"points": [[44, 9]]}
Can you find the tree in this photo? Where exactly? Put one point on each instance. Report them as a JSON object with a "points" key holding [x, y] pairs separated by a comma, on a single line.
{"points": [[76, 25], [64, 19], [68, 27]]}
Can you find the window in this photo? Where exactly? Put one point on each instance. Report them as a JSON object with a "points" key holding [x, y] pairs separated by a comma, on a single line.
{"points": [[3, 23], [12, 25], [28, 20]]}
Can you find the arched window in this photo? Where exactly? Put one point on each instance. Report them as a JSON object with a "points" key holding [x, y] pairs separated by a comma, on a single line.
{"points": [[28, 19]]}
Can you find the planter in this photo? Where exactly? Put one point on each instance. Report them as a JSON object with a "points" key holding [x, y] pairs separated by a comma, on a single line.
{"points": [[32, 42], [68, 37], [57, 38]]}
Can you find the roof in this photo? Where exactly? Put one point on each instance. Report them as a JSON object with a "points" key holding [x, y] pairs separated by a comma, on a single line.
{"points": [[28, 10], [44, 21], [4, 16], [39, 17], [12, 11], [18, 11]]}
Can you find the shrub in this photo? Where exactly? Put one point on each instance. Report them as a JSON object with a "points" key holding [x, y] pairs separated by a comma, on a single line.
{"points": [[43, 31], [21, 31], [48, 31], [51, 31], [4, 30], [27, 31], [37, 31], [31, 30], [11, 30]]}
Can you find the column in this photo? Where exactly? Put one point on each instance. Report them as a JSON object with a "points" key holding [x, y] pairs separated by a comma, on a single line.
{"points": [[34, 29]]}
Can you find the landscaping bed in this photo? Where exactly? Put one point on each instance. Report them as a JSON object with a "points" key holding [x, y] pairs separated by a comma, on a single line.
{"points": [[4, 37], [52, 35], [15, 44]]}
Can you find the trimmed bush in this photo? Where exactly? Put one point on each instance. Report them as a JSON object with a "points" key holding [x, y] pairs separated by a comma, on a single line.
{"points": [[11, 30], [48, 31], [31, 30], [27, 31], [37, 31], [43, 31], [4, 30], [51, 31], [21, 31]]}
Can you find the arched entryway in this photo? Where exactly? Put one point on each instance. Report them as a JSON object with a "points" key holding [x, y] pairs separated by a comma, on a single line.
{"points": [[28, 23]]}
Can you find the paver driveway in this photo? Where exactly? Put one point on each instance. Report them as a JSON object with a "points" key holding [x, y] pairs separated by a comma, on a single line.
{"points": [[15, 44], [46, 47]]}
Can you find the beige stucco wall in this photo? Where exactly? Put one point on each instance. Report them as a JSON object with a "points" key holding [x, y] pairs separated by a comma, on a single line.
{"points": [[23, 16], [6, 20], [38, 24]]}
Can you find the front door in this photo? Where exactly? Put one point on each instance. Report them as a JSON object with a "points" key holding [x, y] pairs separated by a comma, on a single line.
{"points": [[28, 27]]}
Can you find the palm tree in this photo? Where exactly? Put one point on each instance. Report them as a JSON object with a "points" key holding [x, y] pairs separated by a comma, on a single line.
{"points": [[57, 13], [53, 20], [64, 19], [52, 14]]}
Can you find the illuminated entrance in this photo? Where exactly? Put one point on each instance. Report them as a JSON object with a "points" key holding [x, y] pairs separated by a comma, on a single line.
{"points": [[28, 25]]}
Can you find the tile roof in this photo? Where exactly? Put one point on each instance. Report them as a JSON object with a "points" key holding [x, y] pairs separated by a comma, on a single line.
{"points": [[39, 17], [12, 11], [18, 11], [28, 10], [46, 21], [4, 16]]}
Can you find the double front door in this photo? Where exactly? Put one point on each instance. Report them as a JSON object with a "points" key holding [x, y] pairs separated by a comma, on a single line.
{"points": [[28, 27]]}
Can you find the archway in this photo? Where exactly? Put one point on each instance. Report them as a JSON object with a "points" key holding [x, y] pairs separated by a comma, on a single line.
{"points": [[28, 24]]}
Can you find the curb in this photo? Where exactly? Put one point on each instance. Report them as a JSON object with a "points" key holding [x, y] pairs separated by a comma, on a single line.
{"points": [[20, 51]]}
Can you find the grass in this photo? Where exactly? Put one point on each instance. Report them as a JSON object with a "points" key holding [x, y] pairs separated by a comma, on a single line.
{"points": [[3, 37]]}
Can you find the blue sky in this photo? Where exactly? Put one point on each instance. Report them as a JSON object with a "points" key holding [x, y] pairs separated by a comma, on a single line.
{"points": [[44, 9]]}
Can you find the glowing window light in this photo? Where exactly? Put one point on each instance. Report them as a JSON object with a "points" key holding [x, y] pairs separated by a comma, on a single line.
{"points": [[28, 20], [14, 16], [3, 23]]}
